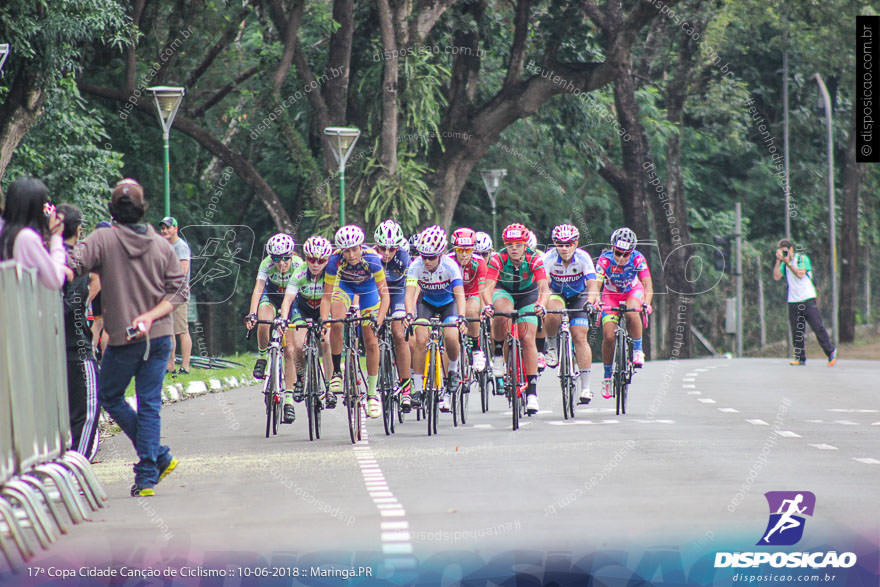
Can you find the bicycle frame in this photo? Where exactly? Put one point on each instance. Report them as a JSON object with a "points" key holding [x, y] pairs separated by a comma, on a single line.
{"points": [[353, 382], [567, 362], [433, 372], [314, 382], [274, 385], [622, 366], [515, 380], [388, 390]]}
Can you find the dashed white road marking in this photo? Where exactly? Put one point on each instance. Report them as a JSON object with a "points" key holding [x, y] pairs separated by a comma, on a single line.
{"points": [[757, 422], [728, 410], [688, 379], [824, 446], [706, 400], [483, 426], [846, 422], [854, 410], [688, 386], [867, 460], [695, 393], [787, 434]]}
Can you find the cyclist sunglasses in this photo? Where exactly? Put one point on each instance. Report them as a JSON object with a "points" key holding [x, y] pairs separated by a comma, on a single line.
{"points": [[561, 244], [430, 257], [382, 249], [464, 250], [622, 254], [280, 258], [316, 260]]}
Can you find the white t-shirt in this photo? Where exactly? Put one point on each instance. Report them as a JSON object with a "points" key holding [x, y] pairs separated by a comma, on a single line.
{"points": [[799, 289]]}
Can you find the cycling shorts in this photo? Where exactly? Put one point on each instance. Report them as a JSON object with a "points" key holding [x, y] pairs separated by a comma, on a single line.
{"points": [[446, 313], [369, 299], [576, 302], [524, 302], [274, 300], [612, 300], [301, 311], [397, 308]]}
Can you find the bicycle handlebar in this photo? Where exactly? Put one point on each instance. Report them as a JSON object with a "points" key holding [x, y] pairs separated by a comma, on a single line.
{"points": [[433, 324]]}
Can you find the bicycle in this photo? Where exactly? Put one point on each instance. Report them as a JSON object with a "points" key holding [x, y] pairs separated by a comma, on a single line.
{"points": [[486, 377], [621, 365], [515, 381], [433, 375], [273, 389], [567, 361], [354, 388], [386, 386], [314, 383]]}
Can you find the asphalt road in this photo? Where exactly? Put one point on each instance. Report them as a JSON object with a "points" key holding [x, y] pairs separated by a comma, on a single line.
{"points": [[686, 468]]}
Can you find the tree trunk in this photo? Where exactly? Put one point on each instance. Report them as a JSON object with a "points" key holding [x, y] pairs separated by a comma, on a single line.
{"points": [[388, 145], [22, 107], [849, 242]]}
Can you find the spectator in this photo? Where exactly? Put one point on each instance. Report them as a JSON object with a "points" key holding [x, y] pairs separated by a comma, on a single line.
{"points": [[100, 338], [28, 221], [798, 271], [141, 281], [82, 369], [168, 228]]}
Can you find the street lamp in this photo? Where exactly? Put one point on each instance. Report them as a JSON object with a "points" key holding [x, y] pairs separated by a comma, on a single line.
{"points": [[4, 52], [492, 181], [342, 140], [167, 100], [832, 232]]}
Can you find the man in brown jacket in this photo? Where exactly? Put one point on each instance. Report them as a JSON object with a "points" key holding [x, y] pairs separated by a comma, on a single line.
{"points": [[141, 281]]}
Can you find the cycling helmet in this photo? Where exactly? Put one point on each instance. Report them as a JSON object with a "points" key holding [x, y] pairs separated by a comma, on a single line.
{"points": [[388, 234], [413, 241], [349, 236], [432, 241], [623, 239], [565, 233], [532, 243], [281, 244], [463, 238], [317, 247], [515, 233], [482, 243]]}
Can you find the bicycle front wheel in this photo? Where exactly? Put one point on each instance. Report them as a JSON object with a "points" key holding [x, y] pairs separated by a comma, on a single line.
{"points": [[352, 405], [513, 383]]}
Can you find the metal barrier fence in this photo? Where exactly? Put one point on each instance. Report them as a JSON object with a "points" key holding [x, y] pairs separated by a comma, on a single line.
{"points": [[37, 471]]}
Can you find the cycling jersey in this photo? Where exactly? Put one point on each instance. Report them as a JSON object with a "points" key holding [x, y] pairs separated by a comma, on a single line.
{"points": [[395, 270], [622, 278], [361, 277], [277, 282], [516, 279], [311, 287], [473, 274], [569, 280], [436, 285]]}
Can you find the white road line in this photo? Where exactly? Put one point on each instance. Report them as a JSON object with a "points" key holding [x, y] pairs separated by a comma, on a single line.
{"points": [[824, 446], [688, 379], [853, 410], [846, 422], [701, 370], [814, 421], [397, 548], [706, 400], [693, 373], [395, 525], [392, 513], [787, 434], [728, 410], [611, 421], [695, 393], [395, 536], [758, 422], [875, 423], [688, 386], [484, 426], [867, 460]]}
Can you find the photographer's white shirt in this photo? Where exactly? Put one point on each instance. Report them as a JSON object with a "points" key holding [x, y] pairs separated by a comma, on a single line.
{"points": [[799, 289]]}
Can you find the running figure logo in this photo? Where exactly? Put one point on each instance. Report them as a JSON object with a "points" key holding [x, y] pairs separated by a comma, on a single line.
{"points": [[786, 525]]}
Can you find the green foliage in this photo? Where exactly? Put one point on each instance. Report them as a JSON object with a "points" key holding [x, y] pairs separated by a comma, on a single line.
{"points": [[70, 151], [403, 195]]}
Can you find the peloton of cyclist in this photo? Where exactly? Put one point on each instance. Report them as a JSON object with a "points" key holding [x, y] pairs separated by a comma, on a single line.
{"points": [[573, 285], [473, 273], [517, 280], [434, 288], [483, 245], [275, 279], [392, 248], [306, 305], [625, 276], [355, 270]]}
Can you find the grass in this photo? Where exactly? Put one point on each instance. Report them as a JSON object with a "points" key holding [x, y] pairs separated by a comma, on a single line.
{"points": [[195, 374], [865, 346]]}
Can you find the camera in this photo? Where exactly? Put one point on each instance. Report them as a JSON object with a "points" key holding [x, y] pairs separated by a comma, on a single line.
{"points": [[785, 253], [132, 332]]}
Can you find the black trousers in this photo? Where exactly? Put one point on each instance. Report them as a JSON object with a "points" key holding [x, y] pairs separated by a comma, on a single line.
{"points": [[82, 397], [799, 315]]}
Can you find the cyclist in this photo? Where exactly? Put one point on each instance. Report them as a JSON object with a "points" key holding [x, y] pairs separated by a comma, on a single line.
{"points": [[355, 270], [518, 281], [434, 288], [541, 335], [625, 276], [274, 281], [573, 285], [473, 273], [391, 246], [306, 305], [483, 245]]}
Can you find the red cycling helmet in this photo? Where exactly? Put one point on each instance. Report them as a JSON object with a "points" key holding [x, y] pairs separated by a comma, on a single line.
{"points": [[463, 238], [515, 233]]}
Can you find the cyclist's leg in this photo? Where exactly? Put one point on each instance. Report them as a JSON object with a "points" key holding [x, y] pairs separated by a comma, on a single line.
{"points": [[398, 334], [552, 321], [634, 323], [369, 304], [448, 315], [503, 302], [265, 311], [472, 310], [339, 303], [580, 329], [609, 322]]}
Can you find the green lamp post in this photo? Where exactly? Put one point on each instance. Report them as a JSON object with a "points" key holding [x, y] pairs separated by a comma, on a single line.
{"points": [[342, 140], [167, 101]]}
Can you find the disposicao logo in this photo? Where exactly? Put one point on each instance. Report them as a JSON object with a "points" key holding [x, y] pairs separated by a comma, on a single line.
{"points": [[785, 528], [786, 524]]}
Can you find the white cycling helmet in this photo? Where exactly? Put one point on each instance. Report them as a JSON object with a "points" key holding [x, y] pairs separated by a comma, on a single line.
{"points": [[565, 233], [623, 239], [432, 241], [483, 243], [349, 236], [532, 243], [279, 245], [317, 247], [388, 234]]}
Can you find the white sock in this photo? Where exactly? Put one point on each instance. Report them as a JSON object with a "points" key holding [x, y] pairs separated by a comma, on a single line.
{"points": [[417, 382], [585, 378], [453, 365]]}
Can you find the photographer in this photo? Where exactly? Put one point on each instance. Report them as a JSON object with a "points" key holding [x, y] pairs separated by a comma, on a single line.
{"points": [[798, 271], [141, 282]]}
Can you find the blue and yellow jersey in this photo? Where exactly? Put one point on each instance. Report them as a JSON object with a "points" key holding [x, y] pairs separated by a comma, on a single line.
{"points": [[361, 277]]}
